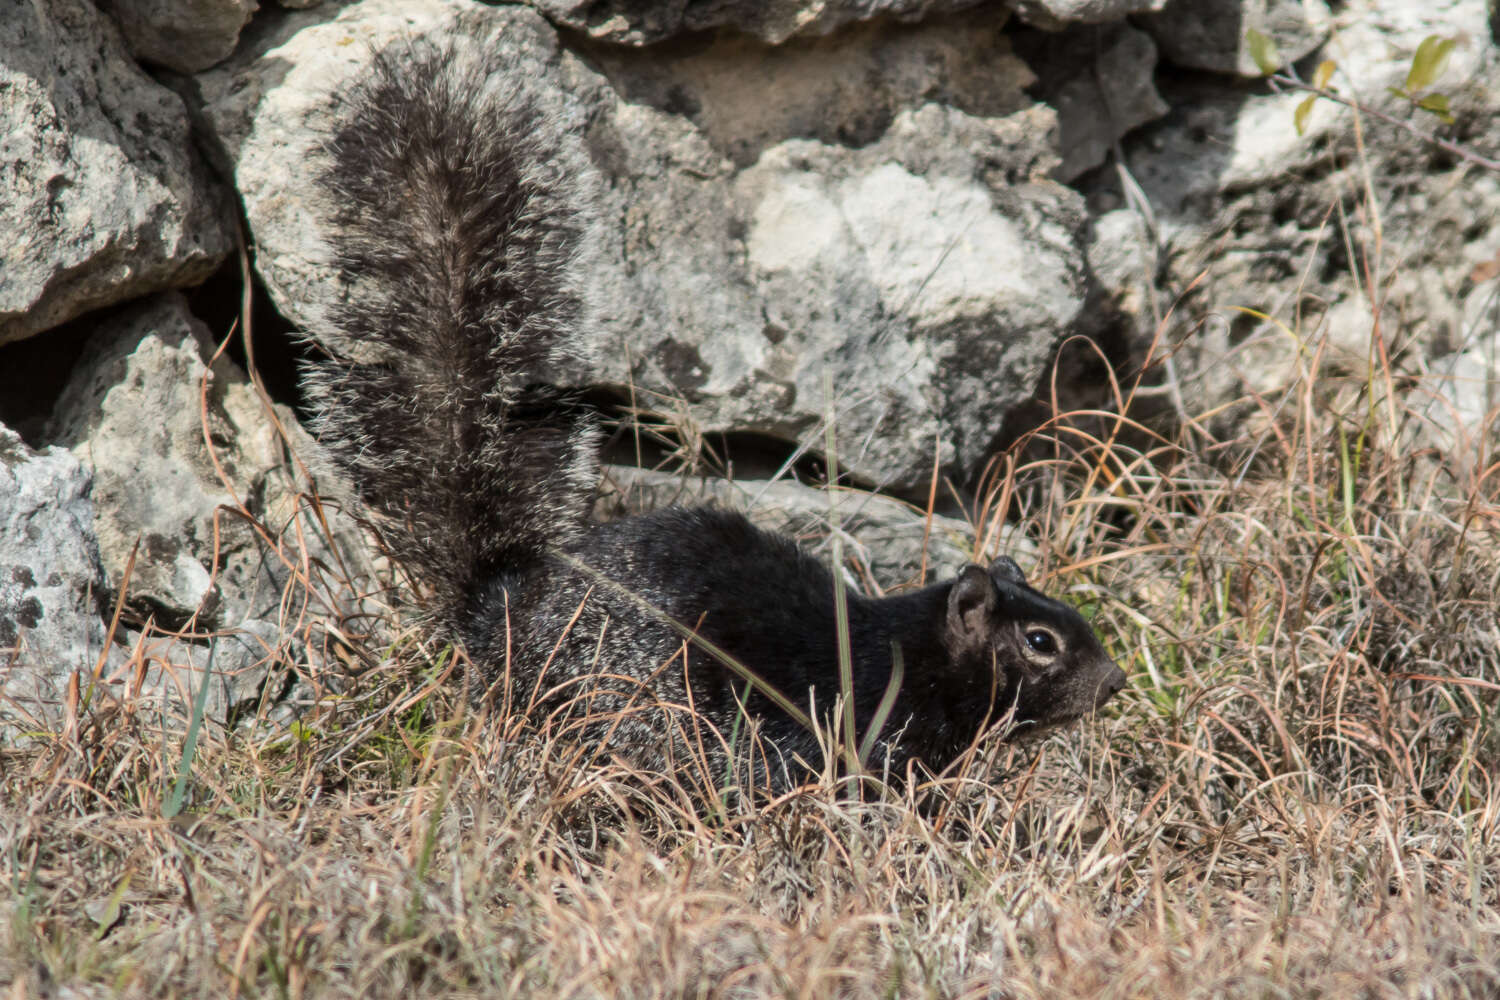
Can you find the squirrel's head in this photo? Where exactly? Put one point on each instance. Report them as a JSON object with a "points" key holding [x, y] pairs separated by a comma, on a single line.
{"points": [[1051, 668]]}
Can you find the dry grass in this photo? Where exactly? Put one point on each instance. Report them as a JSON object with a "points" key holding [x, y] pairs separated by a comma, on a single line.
{"points": [[1296, 797]]}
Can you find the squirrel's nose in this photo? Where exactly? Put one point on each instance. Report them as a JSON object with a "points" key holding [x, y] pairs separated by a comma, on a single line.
{"points": [[1117, 681], [1113, 684]]}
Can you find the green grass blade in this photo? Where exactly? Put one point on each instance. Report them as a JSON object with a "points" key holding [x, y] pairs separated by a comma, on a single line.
{"points": [[173, 805]]}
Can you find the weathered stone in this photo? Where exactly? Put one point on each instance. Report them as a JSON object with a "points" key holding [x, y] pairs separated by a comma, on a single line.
{"points": [[52, 615], [844, 89], [641, 24], [248, 664], [1462, 415], [244, 668], [51, 583], [926, 270], [1122, 257], [623, 23], [923, 320], [131, 413], [102, 197], [1099, 79], [1055, 15], [1255, 215], [180, 455], [184, 35], [1212, 34]]}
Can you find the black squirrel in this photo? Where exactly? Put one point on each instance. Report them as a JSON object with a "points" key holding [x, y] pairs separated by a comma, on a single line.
{"points": [[465, 222]]}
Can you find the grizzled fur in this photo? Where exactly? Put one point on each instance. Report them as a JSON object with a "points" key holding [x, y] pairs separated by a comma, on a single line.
{"points": [[465, 220], [462, 214]]}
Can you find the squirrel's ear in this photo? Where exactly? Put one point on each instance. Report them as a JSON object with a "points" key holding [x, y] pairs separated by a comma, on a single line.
{"points": [[1004, 568], [971, 605]]}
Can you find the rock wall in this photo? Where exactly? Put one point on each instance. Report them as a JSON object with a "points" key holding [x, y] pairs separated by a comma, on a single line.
{"points": [[915, 204]]}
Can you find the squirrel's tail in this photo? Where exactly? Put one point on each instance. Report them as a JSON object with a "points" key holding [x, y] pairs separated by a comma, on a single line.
{"points": [[463, 215]]}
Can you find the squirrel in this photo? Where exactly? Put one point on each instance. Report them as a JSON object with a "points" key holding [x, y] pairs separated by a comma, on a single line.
{"points": [[465, 225]]}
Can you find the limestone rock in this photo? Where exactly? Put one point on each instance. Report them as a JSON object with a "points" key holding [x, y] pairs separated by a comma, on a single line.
{"points": [[1100, 81], [929, 270], [642, 24], [179, 462], [932, 324], [844, 89], [51, 583], [245, 668], [1211, 34], [622, 23], [102, 197], [184, 35], [1248, 210], [1055, 15]]}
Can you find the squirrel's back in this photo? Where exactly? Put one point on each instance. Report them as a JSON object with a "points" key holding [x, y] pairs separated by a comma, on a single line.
{"points": [[464, 227]]}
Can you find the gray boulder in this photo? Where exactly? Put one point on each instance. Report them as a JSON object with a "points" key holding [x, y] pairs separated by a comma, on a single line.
{"points": [[188, 459], [1253, 213], [102, 196], [625, 23], [51, 584], [1213, 34], [927, 273], [1100, 82], [184, 35], [1056, 15], [642, 24]]}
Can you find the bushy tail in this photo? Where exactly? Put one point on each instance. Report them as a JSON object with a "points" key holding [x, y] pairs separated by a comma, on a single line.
{"points": [[463, 214]]}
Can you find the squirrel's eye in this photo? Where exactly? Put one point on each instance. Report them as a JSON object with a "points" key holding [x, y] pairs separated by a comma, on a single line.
{"points": [[1042, 640]]}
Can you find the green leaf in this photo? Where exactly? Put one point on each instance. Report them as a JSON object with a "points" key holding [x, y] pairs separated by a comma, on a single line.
{"points": [[1263, 51], [1438, 105], [1429, 62], [1304, 108], [1324, 73]]}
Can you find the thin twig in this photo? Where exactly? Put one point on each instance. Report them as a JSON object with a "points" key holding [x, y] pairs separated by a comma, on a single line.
{"points": [[1280, 80]]}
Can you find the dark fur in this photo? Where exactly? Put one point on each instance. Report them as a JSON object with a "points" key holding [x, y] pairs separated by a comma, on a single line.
{"points": [[463, 223]]}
